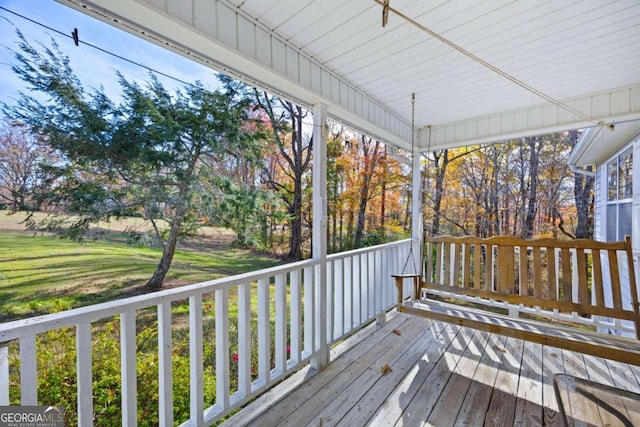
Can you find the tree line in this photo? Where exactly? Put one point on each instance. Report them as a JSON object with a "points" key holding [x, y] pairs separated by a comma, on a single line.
{"points": [[240, 158], [519, 188]]}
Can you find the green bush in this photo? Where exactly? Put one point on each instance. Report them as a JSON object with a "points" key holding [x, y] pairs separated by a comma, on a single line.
{"points": [[56, 359], [57, 382]]}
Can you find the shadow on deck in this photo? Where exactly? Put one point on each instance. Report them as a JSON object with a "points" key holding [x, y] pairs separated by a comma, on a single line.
{"points": [[415, 371]]}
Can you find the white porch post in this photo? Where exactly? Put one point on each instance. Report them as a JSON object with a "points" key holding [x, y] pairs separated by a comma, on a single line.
{"points": [[319, 243]]}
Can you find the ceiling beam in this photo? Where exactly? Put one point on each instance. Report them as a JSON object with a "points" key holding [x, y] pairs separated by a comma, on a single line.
{"points": [[219, 35], [222, 36], [618, 105]]}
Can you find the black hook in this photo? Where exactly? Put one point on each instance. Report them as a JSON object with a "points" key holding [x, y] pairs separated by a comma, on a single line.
{"points": [[76, 38], [385, 12]]}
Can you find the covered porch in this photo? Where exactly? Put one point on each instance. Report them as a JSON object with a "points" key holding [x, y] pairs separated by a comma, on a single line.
{"points": [[256, 356], [325, 328]]}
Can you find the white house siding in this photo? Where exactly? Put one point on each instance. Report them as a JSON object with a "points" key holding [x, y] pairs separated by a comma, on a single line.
{"points": [[600, 203], [636, 199], [600, 229]]}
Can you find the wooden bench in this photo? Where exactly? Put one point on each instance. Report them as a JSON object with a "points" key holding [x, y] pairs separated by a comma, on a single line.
{"points": [[547, 291]]}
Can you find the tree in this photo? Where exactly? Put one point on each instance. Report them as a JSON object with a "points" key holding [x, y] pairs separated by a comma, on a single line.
{"points": [[241, 206], [529, 185], [518, 187], [372, 155], [441, 161], [286, 167], [480, 174], [583, 197], [363, 190], [337, 165], [142, 155], [24, 161]]}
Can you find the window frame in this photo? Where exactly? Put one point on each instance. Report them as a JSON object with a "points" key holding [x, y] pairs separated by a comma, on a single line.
{"points": [[619, 198]]}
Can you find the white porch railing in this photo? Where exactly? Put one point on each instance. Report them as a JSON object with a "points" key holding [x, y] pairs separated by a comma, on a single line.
{"points": [[277, 308]]}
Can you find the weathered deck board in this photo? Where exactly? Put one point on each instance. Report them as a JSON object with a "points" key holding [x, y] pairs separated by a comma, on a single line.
{"points": [[428, 392], [320, 390], [376, 395], [396, 403], [582, 411], [599, 373], [478, 396], [529, 404], [623, 376], [361, 380], [502, 408], [452, 398], [552, 364], [442, 375]]}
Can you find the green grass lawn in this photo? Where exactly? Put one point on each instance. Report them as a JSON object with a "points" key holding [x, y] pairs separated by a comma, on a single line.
{"points": [[40, 274]]}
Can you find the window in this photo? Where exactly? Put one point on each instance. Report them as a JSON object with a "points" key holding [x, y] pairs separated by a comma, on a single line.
{"points": [[619, 195]]}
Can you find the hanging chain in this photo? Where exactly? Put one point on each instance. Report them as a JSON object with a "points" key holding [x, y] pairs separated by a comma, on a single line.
{"points": [[413, 131], [413, 121]]}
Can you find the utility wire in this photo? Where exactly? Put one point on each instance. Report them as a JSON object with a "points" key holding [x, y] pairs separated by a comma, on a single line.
{"points": [[115, 55]]}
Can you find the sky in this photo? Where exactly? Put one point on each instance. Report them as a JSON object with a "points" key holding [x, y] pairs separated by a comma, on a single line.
{"points": [[94, 68]]}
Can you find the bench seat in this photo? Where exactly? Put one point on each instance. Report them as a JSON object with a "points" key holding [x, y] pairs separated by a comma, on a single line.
{"points": [[578, 291], [626, 350]]}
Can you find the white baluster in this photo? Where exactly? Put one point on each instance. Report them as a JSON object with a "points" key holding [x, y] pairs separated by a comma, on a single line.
{"points": [[281, 324], [244, 339], [4, 376], [128, 368], [165, 369], [85, 374], [222, 348], [196, 382], [28, 371], [296, 317], [264, 332]]}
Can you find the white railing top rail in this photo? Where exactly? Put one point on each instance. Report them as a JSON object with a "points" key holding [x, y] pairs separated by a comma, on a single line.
{"points": [[35, 325], [360, 251], [39, 324]]}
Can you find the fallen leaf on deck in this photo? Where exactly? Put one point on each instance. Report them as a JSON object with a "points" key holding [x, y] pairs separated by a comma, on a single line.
{"points": [[396, 331], [386, 369], [501, 349]]}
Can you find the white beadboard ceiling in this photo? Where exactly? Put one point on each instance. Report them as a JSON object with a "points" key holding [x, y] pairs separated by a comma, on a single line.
{"points": [[583, 53]]}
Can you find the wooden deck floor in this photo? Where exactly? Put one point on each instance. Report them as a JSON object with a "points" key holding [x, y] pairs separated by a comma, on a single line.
{"points": [[440, 375]]}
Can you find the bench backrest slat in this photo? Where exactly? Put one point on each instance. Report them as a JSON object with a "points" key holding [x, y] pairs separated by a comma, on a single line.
{"points": [[615, 279], [597, 277], [537, 273], [466, 280], [456, 264], [565, 259], [569, 276], [583, 292], [505, 276], [488, 281], [523, 270], [447, 262], [477, 267], [428, 257], [634, 291], [552, 282], [438, 255]]}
